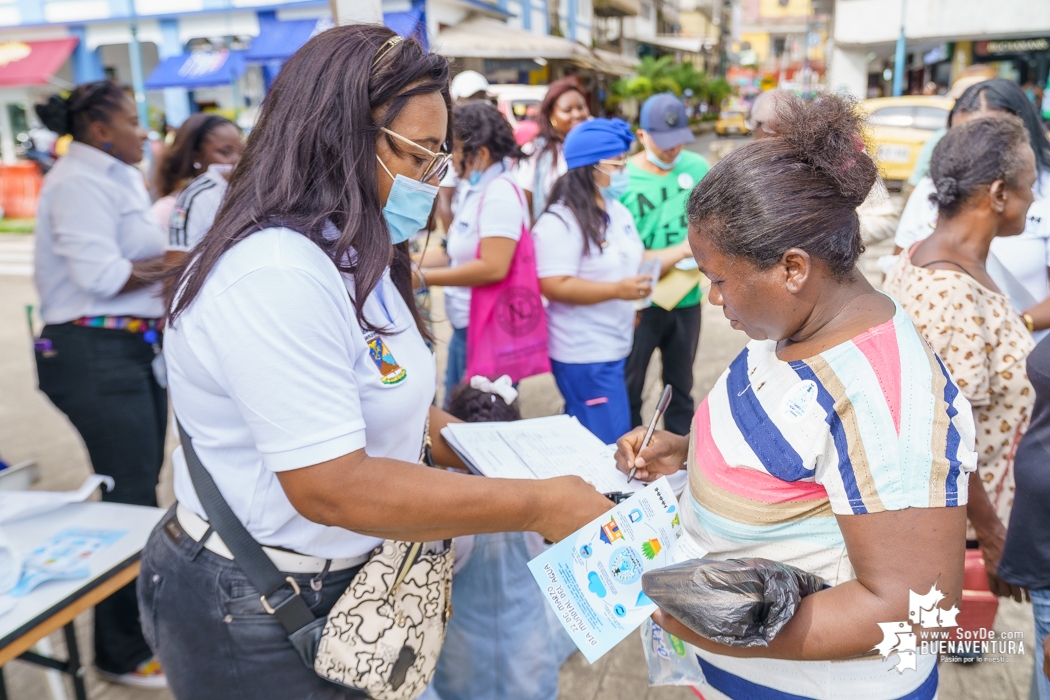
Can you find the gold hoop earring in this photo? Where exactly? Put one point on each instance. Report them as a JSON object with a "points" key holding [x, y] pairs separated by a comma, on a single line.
{"points": [[554, 122]]}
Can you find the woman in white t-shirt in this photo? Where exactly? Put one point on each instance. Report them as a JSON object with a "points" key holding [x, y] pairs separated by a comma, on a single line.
{"points": [[489, 220], [563, 107], [298, 367], [588, 255]]}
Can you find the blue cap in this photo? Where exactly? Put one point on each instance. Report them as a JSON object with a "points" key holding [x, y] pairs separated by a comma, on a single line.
{"points": [[596, 140], [664, 119]]}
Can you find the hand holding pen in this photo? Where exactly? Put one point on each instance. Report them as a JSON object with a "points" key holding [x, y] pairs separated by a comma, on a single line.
{"points": [[647, 453]]}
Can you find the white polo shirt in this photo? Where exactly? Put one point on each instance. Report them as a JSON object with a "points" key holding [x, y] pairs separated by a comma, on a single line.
{"points": [[270, 371], [1027, 256], [94, 220], [195, 209], [492, 208], [600, 332]]}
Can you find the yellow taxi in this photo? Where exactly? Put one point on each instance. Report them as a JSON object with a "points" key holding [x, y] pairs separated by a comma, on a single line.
{"points": [[899, 126], [732, 122]]}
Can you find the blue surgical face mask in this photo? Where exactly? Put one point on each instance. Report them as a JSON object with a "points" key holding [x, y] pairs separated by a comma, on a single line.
{"points": [[651, 157], [408, 206], [474, 177], [618, 182]]}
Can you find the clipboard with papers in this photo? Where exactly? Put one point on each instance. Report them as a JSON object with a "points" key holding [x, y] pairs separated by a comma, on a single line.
{"points": [[538, 448]]}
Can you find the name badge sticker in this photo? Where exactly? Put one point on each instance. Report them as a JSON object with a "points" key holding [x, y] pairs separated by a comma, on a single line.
{"points": [[798, 401]]}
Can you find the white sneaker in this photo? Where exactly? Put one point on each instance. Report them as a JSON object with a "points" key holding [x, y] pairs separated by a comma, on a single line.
{"points": [[147, 674]]}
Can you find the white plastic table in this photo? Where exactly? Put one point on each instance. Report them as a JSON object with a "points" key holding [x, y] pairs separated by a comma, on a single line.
{"points": [[54, 604]]}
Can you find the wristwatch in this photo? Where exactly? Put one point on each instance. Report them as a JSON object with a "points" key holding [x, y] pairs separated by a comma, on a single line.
{"points": [[1029, 322]]}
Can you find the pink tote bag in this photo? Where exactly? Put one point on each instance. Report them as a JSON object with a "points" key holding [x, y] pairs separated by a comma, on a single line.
{"points": [[507, 330]]}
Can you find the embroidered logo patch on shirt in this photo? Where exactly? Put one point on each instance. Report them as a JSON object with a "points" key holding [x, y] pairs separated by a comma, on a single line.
{"points": [[389, 371]]}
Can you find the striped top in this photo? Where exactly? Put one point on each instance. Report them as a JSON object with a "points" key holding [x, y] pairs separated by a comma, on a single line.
{"points": [[780, 448]]}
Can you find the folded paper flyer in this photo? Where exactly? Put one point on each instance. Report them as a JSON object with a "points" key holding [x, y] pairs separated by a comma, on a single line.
{"points": [[593, 578]]}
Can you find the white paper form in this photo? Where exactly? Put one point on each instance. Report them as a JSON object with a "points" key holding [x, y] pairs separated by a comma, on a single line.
{"points": [[538, 448]]}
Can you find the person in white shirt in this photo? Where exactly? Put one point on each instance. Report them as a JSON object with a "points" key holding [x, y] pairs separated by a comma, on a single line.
{"points": [[298, 367], [490, 218], [196, 208], [1020, 265], [98, 252], [203, 140], [588, 255], [468, 86], [563, 107]]}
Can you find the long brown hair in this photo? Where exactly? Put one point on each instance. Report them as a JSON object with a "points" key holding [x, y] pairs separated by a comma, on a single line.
{"points": [[551, 138], [311, 159], [180, 163]]}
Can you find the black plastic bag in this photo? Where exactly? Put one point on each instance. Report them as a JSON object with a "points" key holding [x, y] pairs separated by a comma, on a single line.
{"points": [[738, 602]]}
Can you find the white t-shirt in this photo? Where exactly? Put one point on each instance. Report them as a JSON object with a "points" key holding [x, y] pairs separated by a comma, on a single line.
{"points": [[535, 174], [501, 214], [600, 332], [93, 221], [269, 371], [196, 207], [1027, 256]]}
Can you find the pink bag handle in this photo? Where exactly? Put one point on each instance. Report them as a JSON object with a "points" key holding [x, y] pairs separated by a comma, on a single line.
{"points": [[521, 200]]}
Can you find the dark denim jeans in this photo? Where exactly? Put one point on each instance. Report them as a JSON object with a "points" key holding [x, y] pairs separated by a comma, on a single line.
{"points": [[206, 624], [102, 380]]}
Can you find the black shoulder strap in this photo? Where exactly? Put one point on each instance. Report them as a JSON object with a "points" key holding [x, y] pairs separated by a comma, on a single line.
{"points": [[948, 262], [292, 611]]}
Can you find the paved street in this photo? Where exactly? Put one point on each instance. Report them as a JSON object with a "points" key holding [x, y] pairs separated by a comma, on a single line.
{"points": [[30, 428]]}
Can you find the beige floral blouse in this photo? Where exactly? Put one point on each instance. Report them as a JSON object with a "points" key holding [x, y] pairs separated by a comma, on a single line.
{"points": [[984, 344]]}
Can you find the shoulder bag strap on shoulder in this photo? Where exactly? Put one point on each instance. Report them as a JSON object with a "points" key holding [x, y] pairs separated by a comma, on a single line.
{"points": [[292, 612]]}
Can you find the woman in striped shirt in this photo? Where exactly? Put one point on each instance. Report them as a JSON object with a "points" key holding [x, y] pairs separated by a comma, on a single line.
{"points": [[835, 442]]}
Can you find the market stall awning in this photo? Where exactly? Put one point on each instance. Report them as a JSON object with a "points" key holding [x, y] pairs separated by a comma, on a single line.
{"points": [[278, 40], [482, 37], [615, 63], [198, 69], [33, 62]]}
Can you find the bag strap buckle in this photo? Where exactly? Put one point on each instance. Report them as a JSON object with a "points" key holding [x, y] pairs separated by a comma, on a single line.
{"points": [[266, 604]]}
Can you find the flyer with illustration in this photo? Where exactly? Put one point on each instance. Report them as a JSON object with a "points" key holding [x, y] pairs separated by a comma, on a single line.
{"points": [[593, 578]]}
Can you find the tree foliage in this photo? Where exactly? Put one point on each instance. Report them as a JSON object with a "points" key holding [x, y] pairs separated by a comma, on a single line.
{"points": [[656, 75]]}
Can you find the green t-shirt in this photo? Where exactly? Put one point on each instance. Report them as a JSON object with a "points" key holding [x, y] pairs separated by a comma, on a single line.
{"points": [[657, 203]]}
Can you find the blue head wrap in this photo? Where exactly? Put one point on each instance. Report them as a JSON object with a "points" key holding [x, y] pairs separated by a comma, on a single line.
{"points": [[596, 140]]}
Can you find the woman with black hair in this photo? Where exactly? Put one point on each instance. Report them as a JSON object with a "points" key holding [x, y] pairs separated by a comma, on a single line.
{"points": [[98, 253], [202, 141], [834, 442], [490, 218], [1020, 265], [588, 255], [299, 371], [984, 172]]}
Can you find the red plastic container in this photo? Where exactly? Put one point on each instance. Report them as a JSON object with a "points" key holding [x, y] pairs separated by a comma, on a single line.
{"points": [[979, 604], [19, 189]]}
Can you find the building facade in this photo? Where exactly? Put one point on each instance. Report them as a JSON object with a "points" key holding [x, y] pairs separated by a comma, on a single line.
{"points": [[942, 37]]}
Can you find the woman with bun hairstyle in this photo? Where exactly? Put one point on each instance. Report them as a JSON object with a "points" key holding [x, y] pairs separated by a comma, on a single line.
{"points": [[984, 171], [563, 107], [202, 141], [1021, 264], [98, 254], [835, 442], [299, 369], [588, 256]]}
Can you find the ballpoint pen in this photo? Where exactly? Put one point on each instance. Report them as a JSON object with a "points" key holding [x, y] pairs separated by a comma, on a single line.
{"points": [[665, 399]]}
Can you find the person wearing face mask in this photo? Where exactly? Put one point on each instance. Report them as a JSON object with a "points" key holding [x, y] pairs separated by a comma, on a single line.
{"points": [[98, 253], [203, 141], [299, 371], [563, 107], [662, 175], [588, 255], [489, 221]]}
